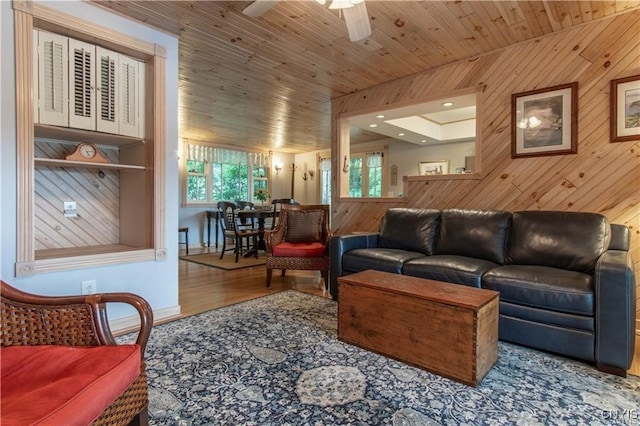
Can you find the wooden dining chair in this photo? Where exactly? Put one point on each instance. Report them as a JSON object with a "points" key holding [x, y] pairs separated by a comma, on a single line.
{"points": [[233, 229], [247, 205]]}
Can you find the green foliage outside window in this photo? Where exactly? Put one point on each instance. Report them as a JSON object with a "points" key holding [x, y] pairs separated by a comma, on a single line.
{"points": [[196, 181], [355, 177], [230, 182], [375, 181]]}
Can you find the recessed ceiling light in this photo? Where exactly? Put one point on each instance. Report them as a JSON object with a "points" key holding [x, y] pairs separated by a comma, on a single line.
{"points": [[423, 140], [373, 125], [380, 116], [447, 104], [400, 134]]}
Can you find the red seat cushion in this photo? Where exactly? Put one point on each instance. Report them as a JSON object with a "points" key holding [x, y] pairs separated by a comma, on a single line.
{"points": [[299, 249], [62, 385]]}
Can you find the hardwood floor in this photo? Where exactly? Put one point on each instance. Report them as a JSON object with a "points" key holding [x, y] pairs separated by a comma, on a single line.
{"points": [[203, 288]]}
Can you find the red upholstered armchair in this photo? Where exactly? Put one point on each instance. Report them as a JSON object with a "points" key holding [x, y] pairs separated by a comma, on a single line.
{"points": [[60, 364], [300, 241]]}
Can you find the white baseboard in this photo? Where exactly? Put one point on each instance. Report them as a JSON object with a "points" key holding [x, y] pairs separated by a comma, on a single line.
{"points": [[128, 324]]}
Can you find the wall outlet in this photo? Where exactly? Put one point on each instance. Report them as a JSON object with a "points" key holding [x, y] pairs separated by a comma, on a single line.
{"points": [[70, 209], [89, 287]]}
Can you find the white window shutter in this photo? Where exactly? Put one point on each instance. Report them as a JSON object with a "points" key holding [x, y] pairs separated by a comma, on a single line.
{"points": [[53, 85], [107, 93], [131, 77], [36, 84], [82, 113]]}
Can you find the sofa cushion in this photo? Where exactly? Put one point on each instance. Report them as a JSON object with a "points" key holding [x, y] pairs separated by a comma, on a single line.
{"points": [[51, 385], [288, 249], [409, 229], [563, 240], [543, 287], [472, 233], [452, 269], [546, 316], [381, 259]]}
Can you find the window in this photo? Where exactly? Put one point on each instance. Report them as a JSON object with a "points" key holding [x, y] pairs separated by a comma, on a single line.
{"points": [[214, 174], [365, 174], [325, 180], [196, 181]]}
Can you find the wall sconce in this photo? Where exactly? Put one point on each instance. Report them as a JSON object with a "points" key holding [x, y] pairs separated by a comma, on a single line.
{"points": [[312, 173], [345, 165], [278, 167], [304, 176]]}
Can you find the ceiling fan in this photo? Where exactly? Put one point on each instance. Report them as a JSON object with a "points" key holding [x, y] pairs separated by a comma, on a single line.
{"points": [[354, 12]]}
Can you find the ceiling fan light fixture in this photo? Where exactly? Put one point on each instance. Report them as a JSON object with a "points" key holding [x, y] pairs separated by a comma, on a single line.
{"points": [[357, 20]]}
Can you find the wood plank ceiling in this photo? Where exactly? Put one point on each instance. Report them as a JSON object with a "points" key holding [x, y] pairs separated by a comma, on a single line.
{"points": [[266, 83]]}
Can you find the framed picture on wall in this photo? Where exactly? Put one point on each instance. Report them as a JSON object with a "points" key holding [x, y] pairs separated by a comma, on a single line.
{"points": [[440, 167], [625, 109], [544, 121]]}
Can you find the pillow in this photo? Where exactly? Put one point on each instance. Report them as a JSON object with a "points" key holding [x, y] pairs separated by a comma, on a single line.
{"points": [[304, 226], [409, 229]]}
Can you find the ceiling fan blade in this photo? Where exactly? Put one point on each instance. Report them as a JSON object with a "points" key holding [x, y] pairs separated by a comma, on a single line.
{"points": [[258, 7], [357, 20]]}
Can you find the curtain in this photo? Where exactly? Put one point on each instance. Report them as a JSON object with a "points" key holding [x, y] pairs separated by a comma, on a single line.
{"points": [[325, 164], [374, 159], [212, 154]]}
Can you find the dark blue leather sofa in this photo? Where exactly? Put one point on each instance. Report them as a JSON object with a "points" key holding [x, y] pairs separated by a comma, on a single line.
{"points": [[566, 279]]}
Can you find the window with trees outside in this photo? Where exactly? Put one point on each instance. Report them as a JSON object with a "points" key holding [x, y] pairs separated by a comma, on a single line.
{"points": [[325, 180], [214, 174], [366, 174]]}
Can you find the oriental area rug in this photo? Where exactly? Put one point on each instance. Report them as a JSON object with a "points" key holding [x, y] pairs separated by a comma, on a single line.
{"points": [[276, 360]]}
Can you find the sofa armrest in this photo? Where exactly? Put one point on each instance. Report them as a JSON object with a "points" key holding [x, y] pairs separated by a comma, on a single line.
{"points": [[615, 294], [338, 246]]}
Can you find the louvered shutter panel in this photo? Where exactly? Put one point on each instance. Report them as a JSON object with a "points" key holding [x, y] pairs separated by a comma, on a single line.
{"points": [[36, 84], [53, 85], [131, 79], [107, 94], [82, 84]]}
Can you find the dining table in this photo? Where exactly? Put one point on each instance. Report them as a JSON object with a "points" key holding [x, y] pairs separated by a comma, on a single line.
{"points": [[261, 215]]}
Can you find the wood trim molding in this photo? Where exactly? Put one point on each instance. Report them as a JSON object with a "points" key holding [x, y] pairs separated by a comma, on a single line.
{"points": [[25, 269], [25, 6], [92, 261], [160, 135], [75, 25], [161, 51], [26, 15], [25, 254]]}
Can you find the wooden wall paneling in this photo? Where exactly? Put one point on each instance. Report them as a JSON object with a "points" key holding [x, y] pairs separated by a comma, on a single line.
{"points": [[602, 177]]}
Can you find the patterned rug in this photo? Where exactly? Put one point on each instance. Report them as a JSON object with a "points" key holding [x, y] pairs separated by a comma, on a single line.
{"points": [[276, 361]]}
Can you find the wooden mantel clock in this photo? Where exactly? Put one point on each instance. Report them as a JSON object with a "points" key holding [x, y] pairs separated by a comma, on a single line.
{"points": [[88, 152]]}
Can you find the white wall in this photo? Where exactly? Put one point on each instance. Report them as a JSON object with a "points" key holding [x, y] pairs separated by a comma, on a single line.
{"points": [[157, 282], [407, 156], [306, 191]]}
